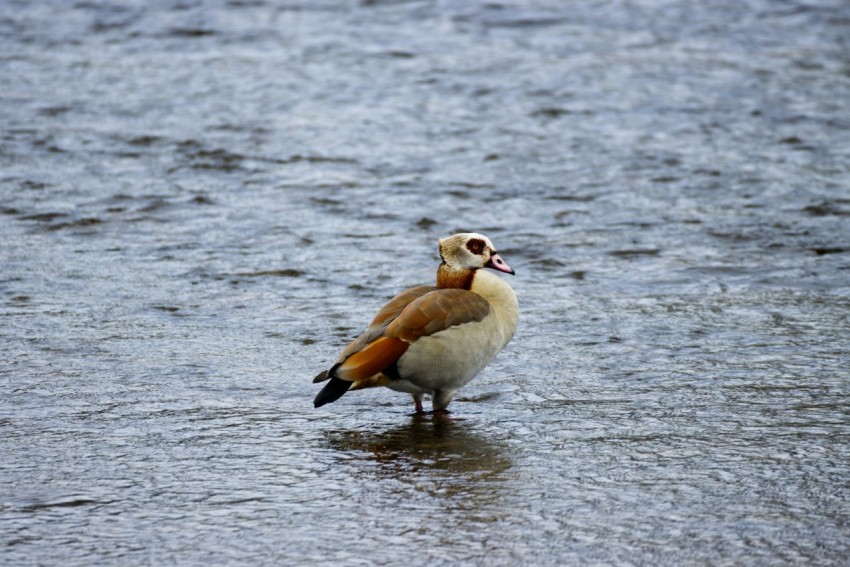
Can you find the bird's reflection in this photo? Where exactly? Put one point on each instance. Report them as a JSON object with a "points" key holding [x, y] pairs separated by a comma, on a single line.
{"points": [[443, 457]]}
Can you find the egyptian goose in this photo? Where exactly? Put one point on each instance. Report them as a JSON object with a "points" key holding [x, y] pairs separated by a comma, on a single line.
{"points": [[433, 339]]}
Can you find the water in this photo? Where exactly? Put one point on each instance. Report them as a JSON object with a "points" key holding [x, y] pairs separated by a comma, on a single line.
{"points": [[202, 202]]}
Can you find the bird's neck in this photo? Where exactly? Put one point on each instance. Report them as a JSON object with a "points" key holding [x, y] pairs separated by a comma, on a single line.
{"points": [[494, 289], [460, 278], [501, 298]]}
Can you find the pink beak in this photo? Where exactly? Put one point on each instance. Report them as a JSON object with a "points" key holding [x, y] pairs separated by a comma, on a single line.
{"points": [[497, 263]]}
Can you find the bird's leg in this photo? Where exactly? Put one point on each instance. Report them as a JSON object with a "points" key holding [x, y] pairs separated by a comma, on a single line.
{"points": [[443, 416], [417, 400], [440, 400]]}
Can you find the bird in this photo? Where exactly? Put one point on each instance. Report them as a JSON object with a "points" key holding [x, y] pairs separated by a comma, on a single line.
{"points": [[433, 339]]}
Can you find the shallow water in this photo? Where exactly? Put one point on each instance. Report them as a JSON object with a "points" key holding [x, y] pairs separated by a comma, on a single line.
{"points": [[203, 202]]}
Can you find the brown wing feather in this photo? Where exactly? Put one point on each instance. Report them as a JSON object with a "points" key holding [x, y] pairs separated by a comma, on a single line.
{"points": [[397, 304], [384, 317], [417, 312], [375, 331], [437, 311], [376, 356]]}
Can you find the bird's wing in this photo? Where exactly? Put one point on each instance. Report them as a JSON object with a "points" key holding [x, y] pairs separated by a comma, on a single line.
{"points": [[376, 329], [425, 313], [437, 311]]}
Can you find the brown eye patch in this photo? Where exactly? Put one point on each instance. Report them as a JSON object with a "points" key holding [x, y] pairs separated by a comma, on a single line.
{"points": [[475, 245]]}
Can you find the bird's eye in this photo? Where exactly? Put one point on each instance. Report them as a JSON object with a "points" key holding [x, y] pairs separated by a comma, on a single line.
{"points": [[475, 246]]}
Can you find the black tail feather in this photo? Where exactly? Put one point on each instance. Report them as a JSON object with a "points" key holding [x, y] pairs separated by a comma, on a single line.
{"points": [[332, 391]]}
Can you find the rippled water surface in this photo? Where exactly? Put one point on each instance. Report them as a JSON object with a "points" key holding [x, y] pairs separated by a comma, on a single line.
{"points": [[202, 202]]}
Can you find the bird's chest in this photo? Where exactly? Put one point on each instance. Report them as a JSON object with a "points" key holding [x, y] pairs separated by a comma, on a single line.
{"points": [[451, 358]]}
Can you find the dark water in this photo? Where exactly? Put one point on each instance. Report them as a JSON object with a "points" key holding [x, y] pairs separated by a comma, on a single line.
{"points": [[203, 201]]}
